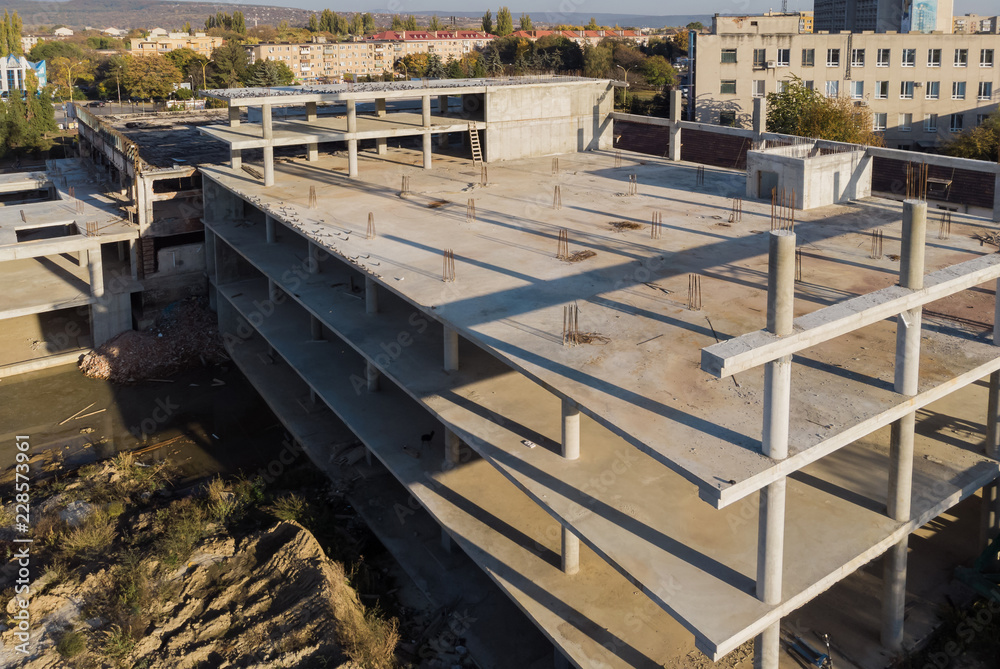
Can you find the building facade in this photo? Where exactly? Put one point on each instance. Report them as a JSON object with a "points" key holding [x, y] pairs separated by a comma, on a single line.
{"points": [[582, 37], [13, 73], [200, 43], [924, 16], [976, 24], [921, 88]]}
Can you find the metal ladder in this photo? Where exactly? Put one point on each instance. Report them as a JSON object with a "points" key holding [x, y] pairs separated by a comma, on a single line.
{"points": [[477, 151]]}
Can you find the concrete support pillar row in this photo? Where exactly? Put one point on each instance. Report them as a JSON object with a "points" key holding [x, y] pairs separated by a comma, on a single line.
{"points": [[380, 107], [570, 552], [266, 126], [427, 151], [372, 375], [269, 165], [759, 116], [450, 349], [767, 648], [236, 158], [425, 111], [371, 296], [269, 230], [352, 158], [570, 429], [771, 542], [900, 484]]}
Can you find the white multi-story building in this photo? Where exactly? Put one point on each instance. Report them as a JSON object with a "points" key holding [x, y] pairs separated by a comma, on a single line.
{"points": [[925, 16], [920, 88]]}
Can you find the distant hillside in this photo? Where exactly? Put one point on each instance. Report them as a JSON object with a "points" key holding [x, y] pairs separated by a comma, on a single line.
{"points": [[166, 14]]}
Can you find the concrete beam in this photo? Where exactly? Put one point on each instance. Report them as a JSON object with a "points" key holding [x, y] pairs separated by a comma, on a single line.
{"points": [[756, 348], [570, 429], [450, 349]]}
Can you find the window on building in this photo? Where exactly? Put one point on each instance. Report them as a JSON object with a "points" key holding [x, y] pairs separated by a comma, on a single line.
{"points": [[808, 57], [909, 58], [833, 57], [728, 55], [832, 88], [985, 90], [881, 90], [957, 122], [933, 57], [728, 87], [758, 88], [784, 57], [857, 57], [986, 58], [879, 121], [727, 118], [905, 121], [858, 90], [932, 90], [958, 90], [809, 84], [906, 90], [961, 57], [759, 58], [930, 122], [782, 86], [883, 57], [981, 118]]}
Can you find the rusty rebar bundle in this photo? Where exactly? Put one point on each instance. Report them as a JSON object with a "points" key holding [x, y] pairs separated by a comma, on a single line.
{"points": [[633, 184], [571, 325], [877, 243], [737, 214], [557, 197], [312, 197], [944, 231], [91, 228], [699, 177], [470, 211], [555, 166], [562, 250], [694, 292], [656, 225], [484, 176], [370, 234], [618, 158], [782, 210], [404, 189], [916, 181], [448, 269], [798, 264]]}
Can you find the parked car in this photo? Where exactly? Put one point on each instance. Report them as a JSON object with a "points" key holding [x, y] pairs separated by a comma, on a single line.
{"points": [[97, 103]]}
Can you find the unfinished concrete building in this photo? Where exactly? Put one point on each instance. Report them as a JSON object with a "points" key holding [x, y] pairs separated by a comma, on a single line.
{"points": [[65, 266], [534, 339]]}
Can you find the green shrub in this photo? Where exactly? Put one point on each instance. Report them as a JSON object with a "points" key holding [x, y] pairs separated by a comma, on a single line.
{"points": [[71, 644]]}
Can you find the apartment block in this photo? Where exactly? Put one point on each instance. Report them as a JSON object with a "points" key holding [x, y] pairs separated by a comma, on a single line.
{"points": [[924, 16], [14, 71], [446, 44], [161, 42], [921, 88], [584, 37], [323, 62], [762, 24], [975, 24]]}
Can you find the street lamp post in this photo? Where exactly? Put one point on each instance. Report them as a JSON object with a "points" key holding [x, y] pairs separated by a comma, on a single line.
{"points": [[69, 77], [204, 84], [118, 84], [625, 96]]}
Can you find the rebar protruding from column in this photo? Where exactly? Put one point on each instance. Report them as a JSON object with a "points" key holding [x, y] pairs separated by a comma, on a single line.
{"points": [[404, 189], [79, 206], [371, 226], [877, 238], [470, 211], [944, 231], [562, 250], [633, 184], [782, 210], [656, 225], [694, 292], [916, 181], [555, 166], [312, 197], [571, 325], [618, 158], [91, 228], [448, 270], [699, 177], [72, 191], [484, 176], [24, 219], [737, 213]]}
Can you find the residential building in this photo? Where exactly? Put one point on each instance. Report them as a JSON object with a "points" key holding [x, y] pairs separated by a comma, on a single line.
{"points": [[115, 32], [920, 88], [62, 32], [446, 44], [322, 61], [925, 16], [13, 70], [762, 24], [591, 37], [975, 24], [161, 42]]}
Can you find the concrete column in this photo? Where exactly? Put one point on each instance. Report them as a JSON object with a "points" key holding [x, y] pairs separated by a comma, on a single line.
{"points": [[442, 104], [767, 648], [427, 151], [570, 552], [352, 116], [759, 116], [312, 152], [372, 375], [380, 107], [425, 110], [273, 292], [371, 296], [269, 165], [269, 224], [314, 255], [900, 484], [446, 542], [675, 129], [450, 349], [452, 448], [310, 112], [315, 329], [352, 158], [234, 117], [95, 268], [996, 199], [771, 542], [236, 158], [266, 127], [381, 146], [570, 429]]}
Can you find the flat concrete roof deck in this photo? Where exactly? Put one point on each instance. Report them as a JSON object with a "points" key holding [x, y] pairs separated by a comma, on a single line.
{"points": [[293, 132], [645, 383]]}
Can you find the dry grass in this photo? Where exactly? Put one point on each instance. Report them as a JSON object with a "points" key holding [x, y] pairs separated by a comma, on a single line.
{"points": [[622, 226], [580, 256], [94, 536], [368, 638]]}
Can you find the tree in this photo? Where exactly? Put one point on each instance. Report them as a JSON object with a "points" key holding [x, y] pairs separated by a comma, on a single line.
{"points": [[368, 23], [65, 73], [357, 24], [493, 64], [51, 50], [488, 23], [186, 28], [435, 67], [265, 73], [150, 76], [804, 112], [592, 25], [239, 24], [10, 34], [397, 23], [410, 23], [505, 22], [231, 63], [526, 22], [658, 72], [597, 61], [696, 26], [313, 25], [435, 23], [414, 64], [979, 143], [455, 69]]}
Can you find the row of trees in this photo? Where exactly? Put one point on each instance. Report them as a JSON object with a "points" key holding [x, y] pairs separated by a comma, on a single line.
{"points": [[338, 24], [236, 23], [10, 34], [24, 122]]}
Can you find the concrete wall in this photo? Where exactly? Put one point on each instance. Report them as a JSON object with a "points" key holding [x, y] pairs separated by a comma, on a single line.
{"points": [[530, 121], [816, 179]]}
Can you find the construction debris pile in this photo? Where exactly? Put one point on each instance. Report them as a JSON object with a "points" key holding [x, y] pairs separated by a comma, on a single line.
{"points": [[185, 334]]}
